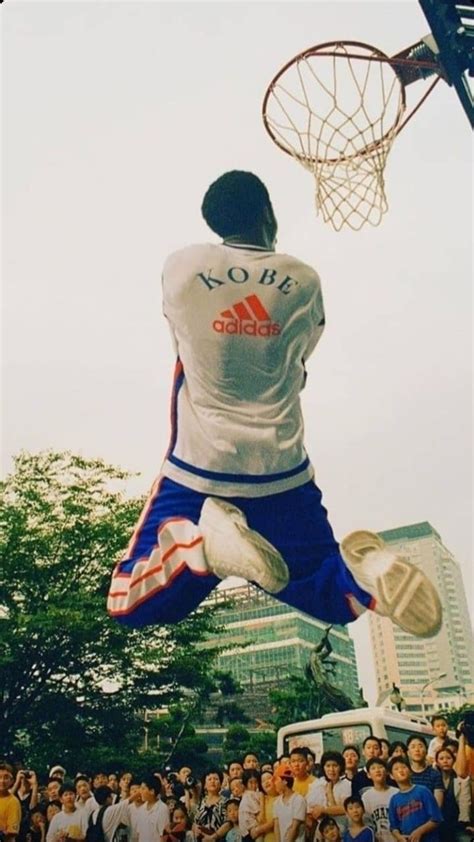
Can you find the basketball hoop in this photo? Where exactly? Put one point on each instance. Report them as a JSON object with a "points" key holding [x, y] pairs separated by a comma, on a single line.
{"points": [[337, 108]]}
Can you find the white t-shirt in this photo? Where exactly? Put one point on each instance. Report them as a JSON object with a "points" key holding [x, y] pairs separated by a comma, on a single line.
{"points": [[435, 744], [75, 824], [151, 821], [287, 810], [134, 811], [114, 815], [376, 806], [243, 320], [317, 796]]}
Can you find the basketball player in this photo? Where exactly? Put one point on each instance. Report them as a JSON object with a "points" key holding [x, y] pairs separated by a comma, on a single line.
{"points": [[236, 494]]}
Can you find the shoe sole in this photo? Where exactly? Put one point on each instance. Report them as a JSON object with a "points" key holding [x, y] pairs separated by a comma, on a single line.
{"points": [[272, 575], [402, 591]]}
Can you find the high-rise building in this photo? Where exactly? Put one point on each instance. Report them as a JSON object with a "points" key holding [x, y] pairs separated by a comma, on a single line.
{"points": [[438, 672], [268, 640]]}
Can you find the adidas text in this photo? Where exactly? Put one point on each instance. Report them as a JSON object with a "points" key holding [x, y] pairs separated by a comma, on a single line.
{"points": [[247, 328]]}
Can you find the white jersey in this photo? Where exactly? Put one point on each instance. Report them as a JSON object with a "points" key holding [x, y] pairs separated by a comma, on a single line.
{"points": [[376, 803], [151, 821], [285, 811], [244, 320]]}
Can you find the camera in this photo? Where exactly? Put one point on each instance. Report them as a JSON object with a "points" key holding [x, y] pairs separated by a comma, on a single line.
{"points": [[190, 782], [467, 728]]}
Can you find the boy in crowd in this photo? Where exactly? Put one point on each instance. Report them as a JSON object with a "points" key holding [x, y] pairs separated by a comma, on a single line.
{"points": [[423, 772], [377, 798], [232, 816], [371, 747], [440, 729], [70, 822], [357, 831], [113, 815], [299, 767], [329, 830], [153, 816], [289, 808], [414, 814]]}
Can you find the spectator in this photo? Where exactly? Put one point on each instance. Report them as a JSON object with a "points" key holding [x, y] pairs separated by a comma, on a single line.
{"points": [[251, 761], [385, 749], [210, 819], [113, 782], [232, 816], [70, 822], [251, 804], [377, 798], [289, 808], [397, 749], [265, 827], [52, 808], [311, 761], [26, 790], [154, 816], [357, 830], [135, 804], [371, 747], [422, 771], [299, 767], [58, 773], [440, 729], [36, 831], [110, 815], [457, 799], [329, 830], [84, 798], [99, 779], [326, 795], [351, 755], [52, 789], [235, 769], [413, 811], [10, 809], [236, 788]]}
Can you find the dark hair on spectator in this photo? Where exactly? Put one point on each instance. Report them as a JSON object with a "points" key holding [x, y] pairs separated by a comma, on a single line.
{"points": [[249, 774], [383, 740], [397, 744], [353, 799], [445, 748], [40, 808], [183, 808], [250, 754], [152, 782], [369, 738], [67, 786], [328, 821], [436, 717], [450, 742], [375, 761], [419, 737], [234, 203], [395, 760], [235, 801], [234, 760], [335, 756], [302, 750], [80, 778], [310, 753], [352, 748], [101, 794], [6, 768], [54, 803], [212, 771]]}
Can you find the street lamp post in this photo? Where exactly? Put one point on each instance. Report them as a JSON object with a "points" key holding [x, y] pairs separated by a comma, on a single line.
{"points": [[428, 684]]}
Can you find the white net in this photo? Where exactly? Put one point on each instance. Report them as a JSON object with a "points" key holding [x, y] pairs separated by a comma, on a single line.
{"points": [[337, 110]]}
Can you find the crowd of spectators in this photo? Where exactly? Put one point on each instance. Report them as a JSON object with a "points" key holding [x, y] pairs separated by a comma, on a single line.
{"points": [[403, 792]]}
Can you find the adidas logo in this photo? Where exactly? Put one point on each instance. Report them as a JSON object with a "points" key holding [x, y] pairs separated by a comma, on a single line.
{"points": [[247, 317]]}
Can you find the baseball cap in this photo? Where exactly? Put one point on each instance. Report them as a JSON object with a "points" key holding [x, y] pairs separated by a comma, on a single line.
{"points": [[55, 769]]}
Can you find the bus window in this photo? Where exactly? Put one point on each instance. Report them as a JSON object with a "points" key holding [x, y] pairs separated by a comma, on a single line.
{"points": [[329, 739], [394, 733]]}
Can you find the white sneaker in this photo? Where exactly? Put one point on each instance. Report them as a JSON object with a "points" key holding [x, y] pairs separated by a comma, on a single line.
{"points": [[233, 549], [401, 590]]}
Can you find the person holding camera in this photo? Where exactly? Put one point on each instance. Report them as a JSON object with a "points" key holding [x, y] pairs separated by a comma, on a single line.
{"points": [[10, 810], [26, 790]]}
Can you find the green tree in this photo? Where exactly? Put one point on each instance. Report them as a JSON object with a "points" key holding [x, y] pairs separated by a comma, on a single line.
{"points": [[301, 699], [73, 682]]}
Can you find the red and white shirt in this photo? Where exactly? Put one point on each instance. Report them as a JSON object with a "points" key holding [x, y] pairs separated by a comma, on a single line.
{"points": [[243, 320]]}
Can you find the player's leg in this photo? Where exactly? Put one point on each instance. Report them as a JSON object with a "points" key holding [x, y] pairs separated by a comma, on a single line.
{"points": [[164, 574], [338, 584]]}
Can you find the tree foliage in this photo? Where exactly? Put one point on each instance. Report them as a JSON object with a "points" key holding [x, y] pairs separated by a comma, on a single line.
{"points": [[72, 680]]}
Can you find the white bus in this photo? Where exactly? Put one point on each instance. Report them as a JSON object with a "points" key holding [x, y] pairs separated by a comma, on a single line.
{"points": [[334, 731]]}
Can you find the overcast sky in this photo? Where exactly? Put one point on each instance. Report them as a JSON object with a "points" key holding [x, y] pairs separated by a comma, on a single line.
{"points": [[116, 117]]}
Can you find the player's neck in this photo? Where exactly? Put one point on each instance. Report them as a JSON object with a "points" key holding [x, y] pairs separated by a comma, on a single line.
{"points": [[260, 239]]}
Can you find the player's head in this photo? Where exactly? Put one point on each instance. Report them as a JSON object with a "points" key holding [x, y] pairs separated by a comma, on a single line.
{"points": [[238, 204]]}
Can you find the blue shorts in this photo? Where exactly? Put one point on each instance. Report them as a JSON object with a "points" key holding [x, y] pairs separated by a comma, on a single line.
{"points": [[164, 576]]}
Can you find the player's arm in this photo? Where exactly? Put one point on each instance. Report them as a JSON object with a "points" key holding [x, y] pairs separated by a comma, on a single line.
{"points": [[293, 830]]}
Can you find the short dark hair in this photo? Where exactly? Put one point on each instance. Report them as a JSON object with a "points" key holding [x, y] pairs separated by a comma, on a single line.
{"points": [[352, 747], [397, 744], [248, 774], [419, 737], [369, 738], [396, 760], [445, 748], [335, 756], [352, 799], [234, 203], [101, 794], [301, 750], [438, 716], [235, 801], [152, 782], [375, 761], [67, 786], [328, 821]]}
